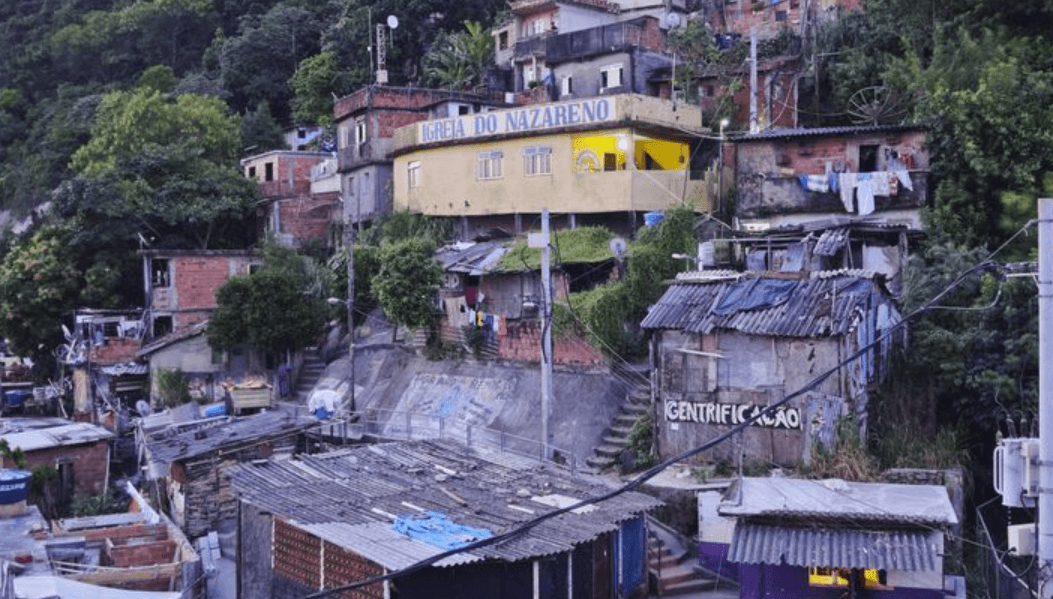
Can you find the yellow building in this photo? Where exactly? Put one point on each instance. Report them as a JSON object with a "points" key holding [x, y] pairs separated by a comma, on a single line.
{"points": [[603, 160]]}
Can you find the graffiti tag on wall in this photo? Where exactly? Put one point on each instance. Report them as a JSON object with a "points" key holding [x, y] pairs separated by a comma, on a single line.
{"points": [[731, 414]]}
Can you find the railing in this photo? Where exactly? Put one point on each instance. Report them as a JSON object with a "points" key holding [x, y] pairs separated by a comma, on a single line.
{"points": [[1005, 576], [400, 425]]}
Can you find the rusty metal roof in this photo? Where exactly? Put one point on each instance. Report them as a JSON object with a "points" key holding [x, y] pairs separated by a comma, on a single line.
{"points": [[822, 305], [350, 497], [798, 132], [815, 547]]}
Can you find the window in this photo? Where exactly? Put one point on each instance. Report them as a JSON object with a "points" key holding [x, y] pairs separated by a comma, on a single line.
{"points": [[611, 76], [159, 276], [162, 326], [610, 161], [537, 160], [268, 171], [360, 131], [489, 165], [463, 109], [301, 133], [868, 159], [538, 27], [252, 172], [843, 578], [413, 169], [502, 40], [567, 86]]}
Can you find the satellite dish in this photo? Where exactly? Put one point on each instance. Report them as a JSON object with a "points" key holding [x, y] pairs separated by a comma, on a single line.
{"points": [[393, 21], [672, 20], [618, 246]]}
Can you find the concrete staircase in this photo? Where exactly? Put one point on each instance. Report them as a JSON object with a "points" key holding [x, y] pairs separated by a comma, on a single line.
{"points": [[673, 569], [310, 372], [637, 403]]}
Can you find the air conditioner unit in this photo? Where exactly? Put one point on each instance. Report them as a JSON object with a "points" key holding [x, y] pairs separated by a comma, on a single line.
{"points": [[1021, 539]]}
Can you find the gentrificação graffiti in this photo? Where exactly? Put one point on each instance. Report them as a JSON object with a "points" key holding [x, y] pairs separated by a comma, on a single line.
{"points": [[731, 414]]}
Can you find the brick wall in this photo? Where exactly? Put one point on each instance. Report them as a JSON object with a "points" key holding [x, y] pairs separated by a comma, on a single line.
{"points": [[306, 217], [90, 464], [342, 567], [142, 554], [297, 555], [520, 341], [196, 278], [115, 350], [119, 535]]}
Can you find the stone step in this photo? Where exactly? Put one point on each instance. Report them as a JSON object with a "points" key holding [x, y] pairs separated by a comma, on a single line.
{"points": [[620, 431], [610, 451], [599, 463], [636, 408], [695, 585], [674, 574], [627, 420], [639, 395], [619, 441]]}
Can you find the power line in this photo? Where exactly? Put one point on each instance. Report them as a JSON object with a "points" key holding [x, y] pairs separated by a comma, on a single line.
{"points": [[656, 469]]}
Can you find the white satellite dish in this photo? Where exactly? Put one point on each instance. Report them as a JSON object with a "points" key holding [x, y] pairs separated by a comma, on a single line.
{"points": [[672, 20], [618, 246], [393, 21]]}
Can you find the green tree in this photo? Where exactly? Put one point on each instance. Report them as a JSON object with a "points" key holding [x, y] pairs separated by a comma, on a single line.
{"points": [[408, 282], [171, 165], [276, 309], [260, 132], [38, 286], [459, 60], [315, 83]]}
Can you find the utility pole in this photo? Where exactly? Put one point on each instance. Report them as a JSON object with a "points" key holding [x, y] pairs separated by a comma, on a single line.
{"points": [[349, 243], [1045, 401], [543, 241], [754, 127]]}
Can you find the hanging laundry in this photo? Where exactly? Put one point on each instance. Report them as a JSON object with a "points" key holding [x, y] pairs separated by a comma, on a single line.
{"points": [[865, 193], [900, 170], [833, 181], [879, 183], [847, 184], [819, 183]]}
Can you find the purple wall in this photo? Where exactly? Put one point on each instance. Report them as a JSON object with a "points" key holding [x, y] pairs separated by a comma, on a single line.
{"points": [[791, 582], [714, 557]]}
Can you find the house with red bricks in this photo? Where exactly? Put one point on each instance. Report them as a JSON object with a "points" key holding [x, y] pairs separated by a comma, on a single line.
{"points": [[323, 521], [78, 451], [181, 285], [292, 211], [366, 121]]}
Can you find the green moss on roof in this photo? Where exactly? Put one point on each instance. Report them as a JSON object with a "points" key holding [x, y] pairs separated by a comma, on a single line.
{"points": [[584, 245]]}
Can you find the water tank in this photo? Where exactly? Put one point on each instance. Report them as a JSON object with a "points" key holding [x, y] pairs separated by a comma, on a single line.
{"points": [[14, 484]]}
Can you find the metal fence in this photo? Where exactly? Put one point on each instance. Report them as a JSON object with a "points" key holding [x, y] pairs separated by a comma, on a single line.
{"points": [[398, 425], [1004, 576]]}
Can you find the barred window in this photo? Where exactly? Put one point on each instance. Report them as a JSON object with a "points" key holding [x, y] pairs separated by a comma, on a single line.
{"points": [[413, 169]]}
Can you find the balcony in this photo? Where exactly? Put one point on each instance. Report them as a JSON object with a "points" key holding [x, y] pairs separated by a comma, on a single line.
{"points": [[590, 42], [770, 196], [359, 154]]}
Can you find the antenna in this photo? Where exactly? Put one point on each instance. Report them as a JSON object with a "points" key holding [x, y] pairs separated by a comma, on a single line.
{"points": [[382, 50]]}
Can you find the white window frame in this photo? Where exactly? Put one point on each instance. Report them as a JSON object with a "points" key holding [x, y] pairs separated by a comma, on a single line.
{"points": [[611, 76], [488, 165], [537, 161], [360, 131], [413, 173], [566, 85]]}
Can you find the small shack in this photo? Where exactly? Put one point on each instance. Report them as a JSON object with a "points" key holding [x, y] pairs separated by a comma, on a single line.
{"points": [[187, 460], [321, 521], [797, 539]]}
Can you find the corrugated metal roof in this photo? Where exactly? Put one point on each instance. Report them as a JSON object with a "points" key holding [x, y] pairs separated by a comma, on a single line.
{"points": [[837, 500], [908, 550], [75, 433], [170, 444], [126, 368], [831, 241], [472, 258], [826, 304], [788, 133], [350, 496]]}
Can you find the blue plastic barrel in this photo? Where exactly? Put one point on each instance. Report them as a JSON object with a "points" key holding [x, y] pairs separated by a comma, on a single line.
{"points": [[14, 484]]}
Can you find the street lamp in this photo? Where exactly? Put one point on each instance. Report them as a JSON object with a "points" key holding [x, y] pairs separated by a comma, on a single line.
{"points": [[720, 167]]}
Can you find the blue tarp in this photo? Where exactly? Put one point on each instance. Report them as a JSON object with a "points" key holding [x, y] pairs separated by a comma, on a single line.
{"points": [[436, 530], [753, 294]]}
